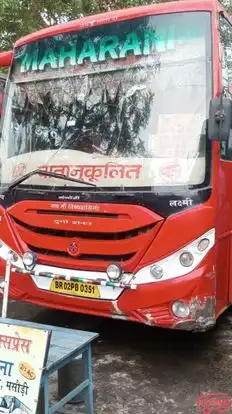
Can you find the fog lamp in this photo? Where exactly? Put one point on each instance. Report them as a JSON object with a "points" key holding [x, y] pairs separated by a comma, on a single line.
{"points": [[186, 259], [114, 271], [157, 272], [180, 309], [29, 259]]}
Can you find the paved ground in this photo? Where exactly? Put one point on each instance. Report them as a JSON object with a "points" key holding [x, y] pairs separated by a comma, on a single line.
{"points": [[142, 370]]}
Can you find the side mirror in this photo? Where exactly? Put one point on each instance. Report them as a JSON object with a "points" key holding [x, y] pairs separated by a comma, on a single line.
{"points": [[220, 119]]}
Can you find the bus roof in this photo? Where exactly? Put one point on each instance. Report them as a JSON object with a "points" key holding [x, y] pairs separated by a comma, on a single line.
{"points": [[119, 15]]}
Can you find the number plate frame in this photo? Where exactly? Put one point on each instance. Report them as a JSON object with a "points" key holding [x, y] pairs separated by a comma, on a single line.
{"points": [[75, 288]]}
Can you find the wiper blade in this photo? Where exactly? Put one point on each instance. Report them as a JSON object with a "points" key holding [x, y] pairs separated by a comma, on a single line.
{"points": [[48, 174]]}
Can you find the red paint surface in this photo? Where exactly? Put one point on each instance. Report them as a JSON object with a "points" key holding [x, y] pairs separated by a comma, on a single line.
{"points": [[5, 58], [136, 304], [108, 219]]}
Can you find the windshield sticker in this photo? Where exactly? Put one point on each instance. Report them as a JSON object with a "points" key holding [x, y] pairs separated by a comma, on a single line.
{"points": [[137, 38], [99, 49], [95, 172], [19, 170], [96, 50], [131, 172], [170, 172]]}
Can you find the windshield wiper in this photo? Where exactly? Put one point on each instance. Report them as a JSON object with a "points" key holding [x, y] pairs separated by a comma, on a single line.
{"points": [[47, 173]]}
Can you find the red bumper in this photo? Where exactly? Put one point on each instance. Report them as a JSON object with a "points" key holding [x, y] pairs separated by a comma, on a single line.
{"points": [[149, 304]]}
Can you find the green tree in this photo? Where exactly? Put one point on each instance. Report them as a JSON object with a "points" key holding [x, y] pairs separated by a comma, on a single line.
{"points": [[20, 17]]}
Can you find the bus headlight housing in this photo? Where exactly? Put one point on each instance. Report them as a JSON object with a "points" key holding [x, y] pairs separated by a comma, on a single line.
{"points": [[179, 263], [186, 259], [114, 272], [6, 252], [29, 260], [14, 257], [157, 271], [180, 309]]}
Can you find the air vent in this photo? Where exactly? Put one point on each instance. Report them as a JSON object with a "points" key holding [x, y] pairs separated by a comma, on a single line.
{"points": [[89, 257], [86, 235]]}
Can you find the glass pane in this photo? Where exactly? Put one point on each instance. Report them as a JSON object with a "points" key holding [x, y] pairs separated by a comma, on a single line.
{"points": [[120, 105]]}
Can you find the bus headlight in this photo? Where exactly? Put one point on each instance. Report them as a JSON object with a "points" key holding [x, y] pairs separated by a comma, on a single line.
{"points": [[179, 263], [186, 259]]}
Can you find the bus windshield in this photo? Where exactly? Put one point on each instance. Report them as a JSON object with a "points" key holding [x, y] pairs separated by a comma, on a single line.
{"points": [[121, 105]]}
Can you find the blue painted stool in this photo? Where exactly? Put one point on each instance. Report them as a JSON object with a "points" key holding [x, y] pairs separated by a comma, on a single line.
{"points": [[65, 346]]}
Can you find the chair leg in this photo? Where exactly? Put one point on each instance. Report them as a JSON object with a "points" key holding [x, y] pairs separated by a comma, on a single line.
{"points": [[88, 375], [46, 395], [40, 405], [69, 377]]}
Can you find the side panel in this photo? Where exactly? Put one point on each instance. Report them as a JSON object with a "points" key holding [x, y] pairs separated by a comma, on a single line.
{"points": [[224, 213]]}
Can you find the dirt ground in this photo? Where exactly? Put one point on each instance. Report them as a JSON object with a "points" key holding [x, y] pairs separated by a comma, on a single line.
{"points": [[142, 370]]}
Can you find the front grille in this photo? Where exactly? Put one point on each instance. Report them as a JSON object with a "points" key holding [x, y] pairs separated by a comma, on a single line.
{"points": [[90, 257], [85, 234], [113, 233]]}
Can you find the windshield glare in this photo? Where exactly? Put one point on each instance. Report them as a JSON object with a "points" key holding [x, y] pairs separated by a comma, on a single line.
{"points": [[120, 105]]}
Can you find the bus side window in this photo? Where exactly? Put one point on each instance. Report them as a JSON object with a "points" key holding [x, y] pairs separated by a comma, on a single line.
{"points": [[226, 61]]}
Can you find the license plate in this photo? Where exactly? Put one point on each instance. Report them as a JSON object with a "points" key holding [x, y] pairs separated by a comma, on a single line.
{"points": [[67, 287]]}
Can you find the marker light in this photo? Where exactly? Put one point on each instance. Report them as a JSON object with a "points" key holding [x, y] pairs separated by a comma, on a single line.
{"points": [[29, 259], [157, 272], [180, 309], [203, 244], [114, 271]]}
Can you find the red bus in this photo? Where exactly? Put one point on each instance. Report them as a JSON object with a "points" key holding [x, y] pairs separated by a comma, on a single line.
{"points": [[115, 199]]}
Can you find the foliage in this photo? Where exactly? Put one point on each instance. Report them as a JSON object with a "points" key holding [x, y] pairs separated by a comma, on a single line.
{"points": [[20, 17]]}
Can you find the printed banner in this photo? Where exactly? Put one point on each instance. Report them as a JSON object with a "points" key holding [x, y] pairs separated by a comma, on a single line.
{"points": [[22, 357], [104, 171]]}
